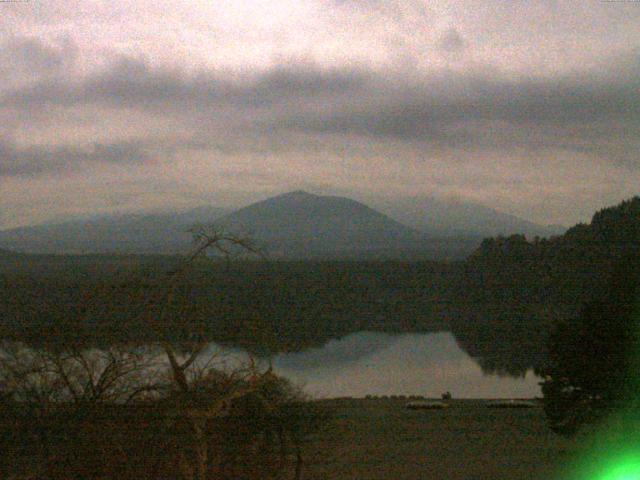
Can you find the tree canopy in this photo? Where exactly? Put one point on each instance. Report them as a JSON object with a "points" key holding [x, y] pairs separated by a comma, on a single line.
{"points": [[593, 361]]}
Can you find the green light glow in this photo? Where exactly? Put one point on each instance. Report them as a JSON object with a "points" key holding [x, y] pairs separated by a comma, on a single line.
{"points": [[612, 450], [610, 453], [624, 469]]}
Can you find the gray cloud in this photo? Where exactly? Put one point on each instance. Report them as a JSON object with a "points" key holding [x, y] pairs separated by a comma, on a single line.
{"points": [[452, 41], [586, 114], [133, 83], [503, 102], [594, 113], [23, 57], [30, 161]]}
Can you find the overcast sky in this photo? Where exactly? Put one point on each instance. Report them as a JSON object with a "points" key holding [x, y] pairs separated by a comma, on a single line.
{"points": [[531, 107]]}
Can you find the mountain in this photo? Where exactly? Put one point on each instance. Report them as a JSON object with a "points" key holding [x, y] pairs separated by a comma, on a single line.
{"points": [[302, 225], [295, 225], [133, 233], [452, 217]]}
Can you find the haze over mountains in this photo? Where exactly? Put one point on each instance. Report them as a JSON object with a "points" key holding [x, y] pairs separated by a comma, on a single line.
{"points": [[292, 225], [454, 217], [165, 233], [301, 225]]}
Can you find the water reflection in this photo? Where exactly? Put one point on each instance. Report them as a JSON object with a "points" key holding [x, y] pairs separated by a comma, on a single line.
{"points": [[368, 363]]}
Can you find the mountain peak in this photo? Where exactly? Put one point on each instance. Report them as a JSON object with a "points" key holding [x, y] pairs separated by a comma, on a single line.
{"points": [[298, 194], [300, 224]]}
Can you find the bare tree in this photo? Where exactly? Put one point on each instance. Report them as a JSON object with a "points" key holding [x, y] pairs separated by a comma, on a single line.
{"points": [[191, 373], [196, 416]]}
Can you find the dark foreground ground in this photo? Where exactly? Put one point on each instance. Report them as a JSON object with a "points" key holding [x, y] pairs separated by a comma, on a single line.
{"points": [[371, 439]]}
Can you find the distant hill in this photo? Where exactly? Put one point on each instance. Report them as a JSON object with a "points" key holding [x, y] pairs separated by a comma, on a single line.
{"points": [[583, 250], [164, 233], [295, 225], [450, 217], [302, 225]]}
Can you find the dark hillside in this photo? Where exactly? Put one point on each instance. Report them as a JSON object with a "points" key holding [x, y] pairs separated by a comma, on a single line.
{"points": [[269, 305], [514, 288]]}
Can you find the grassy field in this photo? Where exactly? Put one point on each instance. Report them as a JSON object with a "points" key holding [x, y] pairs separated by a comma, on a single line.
{"points": [[375, 439]]}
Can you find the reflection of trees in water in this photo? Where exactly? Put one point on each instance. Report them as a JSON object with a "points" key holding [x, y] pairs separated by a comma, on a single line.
{"points": [[510, 347]]}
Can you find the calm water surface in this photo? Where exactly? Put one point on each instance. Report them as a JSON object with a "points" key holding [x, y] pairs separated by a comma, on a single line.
{"points": [[368, 363]]}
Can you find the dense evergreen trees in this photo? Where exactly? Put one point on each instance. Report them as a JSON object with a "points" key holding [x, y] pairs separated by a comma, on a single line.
{"points": [[592, 363], [515, 290]]}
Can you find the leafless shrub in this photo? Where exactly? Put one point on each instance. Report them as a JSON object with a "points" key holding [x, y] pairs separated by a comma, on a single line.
{"points": [[169, 410]]}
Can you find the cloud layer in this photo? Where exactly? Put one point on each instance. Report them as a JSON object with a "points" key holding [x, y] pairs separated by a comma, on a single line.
{"points": [[500, 104]]}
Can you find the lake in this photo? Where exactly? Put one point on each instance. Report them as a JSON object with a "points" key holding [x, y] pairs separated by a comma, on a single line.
{"points": [[371, 363]]}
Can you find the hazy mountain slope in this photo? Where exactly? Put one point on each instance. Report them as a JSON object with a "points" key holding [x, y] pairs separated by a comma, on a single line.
{"points": [[456, 217], [293, 225], [137, 233], [302, 225]]}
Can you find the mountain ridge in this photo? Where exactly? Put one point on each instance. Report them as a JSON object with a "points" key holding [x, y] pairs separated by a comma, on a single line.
{"points": [[460, 217], [295, 224], [299, 224], [138, 233]]}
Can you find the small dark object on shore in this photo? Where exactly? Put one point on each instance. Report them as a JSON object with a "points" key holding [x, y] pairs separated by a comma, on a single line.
{"points": [[511, 404], [437, 405]]}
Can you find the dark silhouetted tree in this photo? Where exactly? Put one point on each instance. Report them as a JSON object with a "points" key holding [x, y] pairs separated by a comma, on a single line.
{"points": [[168, 409], [592, 367]]}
